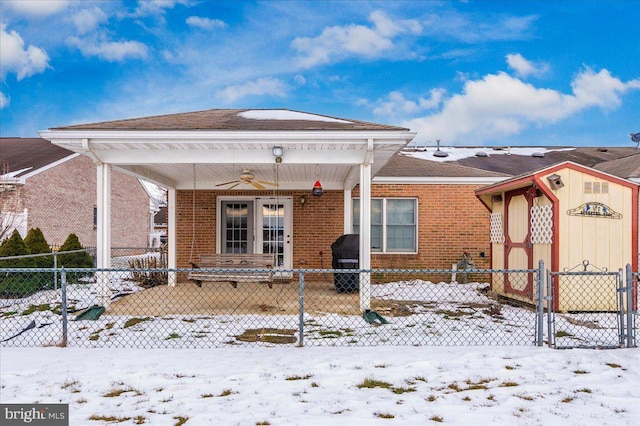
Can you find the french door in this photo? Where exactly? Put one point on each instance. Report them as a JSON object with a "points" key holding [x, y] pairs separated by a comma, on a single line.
{"points": [[257, 225]]}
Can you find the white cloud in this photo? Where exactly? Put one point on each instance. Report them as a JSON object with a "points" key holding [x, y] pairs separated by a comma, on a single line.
{"points": [[16, 59], [477, 29], [500, 105], [156, 7], [4, 101], [87, 20], [37, 7], [112, 51], [524, 67], [397, 105], [262, 86], [338, 42], [205, 23]]}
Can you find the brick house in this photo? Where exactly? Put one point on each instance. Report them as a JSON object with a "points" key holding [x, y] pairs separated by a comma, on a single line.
{"points": [[413, 208], [48, 187]]}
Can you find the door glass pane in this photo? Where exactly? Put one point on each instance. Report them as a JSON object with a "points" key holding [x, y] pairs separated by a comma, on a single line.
{"points": [[236, 222], [273, 231]]}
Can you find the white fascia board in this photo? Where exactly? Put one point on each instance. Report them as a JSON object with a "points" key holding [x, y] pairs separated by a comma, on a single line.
{"points": [[48, 166], [433, 180], [221, 136]]}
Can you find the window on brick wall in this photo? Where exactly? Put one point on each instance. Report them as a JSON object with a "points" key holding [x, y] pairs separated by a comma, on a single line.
{"points": [[393, 224]]}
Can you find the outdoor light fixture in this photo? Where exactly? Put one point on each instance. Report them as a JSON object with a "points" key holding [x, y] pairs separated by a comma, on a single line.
{"points": [[303, 200], [277, 152], [555, 181], [317, 189]]}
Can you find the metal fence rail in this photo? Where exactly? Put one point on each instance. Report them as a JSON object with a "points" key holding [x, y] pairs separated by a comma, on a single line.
{"points": [[155, 307]]}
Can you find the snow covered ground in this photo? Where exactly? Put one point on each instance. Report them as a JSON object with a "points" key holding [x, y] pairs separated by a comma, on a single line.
{"points": [[341, 383], [329, 385]]}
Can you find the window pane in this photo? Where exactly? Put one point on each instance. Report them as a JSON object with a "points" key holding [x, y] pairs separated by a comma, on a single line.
{"points": [[401, 238], [376, 212], [401, 212], [356, 215], [376, 237]]}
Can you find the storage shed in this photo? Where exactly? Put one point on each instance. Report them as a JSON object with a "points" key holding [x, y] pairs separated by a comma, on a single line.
{"points": [[566, 215]]}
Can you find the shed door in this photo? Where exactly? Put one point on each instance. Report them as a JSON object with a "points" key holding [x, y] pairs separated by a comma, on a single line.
{"points": [[518, 252]]}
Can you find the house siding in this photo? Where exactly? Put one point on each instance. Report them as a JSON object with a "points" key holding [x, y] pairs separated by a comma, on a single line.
{"points": [[451, 221], [60, 201]]}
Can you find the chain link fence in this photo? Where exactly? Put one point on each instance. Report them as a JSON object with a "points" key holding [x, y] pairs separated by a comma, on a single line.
{"points": [[157, 307], [587, 309], [633, 286]]}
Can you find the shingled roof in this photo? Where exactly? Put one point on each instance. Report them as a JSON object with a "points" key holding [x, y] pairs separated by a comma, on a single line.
{"points": [[235, 119], [19, 156], [488, 161]]}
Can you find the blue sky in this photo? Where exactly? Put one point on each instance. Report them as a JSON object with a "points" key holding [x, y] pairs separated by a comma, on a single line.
{"points": [[465, 72]]}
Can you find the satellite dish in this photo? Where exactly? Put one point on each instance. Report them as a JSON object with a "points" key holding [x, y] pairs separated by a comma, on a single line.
{"points": [[636, 138]]}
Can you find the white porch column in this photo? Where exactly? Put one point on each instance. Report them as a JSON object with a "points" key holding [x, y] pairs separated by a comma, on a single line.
{"points": [[348, 212], [103, 231], [365, 235], [172, 250]]}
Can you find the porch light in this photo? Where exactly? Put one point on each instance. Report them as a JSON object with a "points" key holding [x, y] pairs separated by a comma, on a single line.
{"points": [[303, 200], [277, 152], [317, 189]]}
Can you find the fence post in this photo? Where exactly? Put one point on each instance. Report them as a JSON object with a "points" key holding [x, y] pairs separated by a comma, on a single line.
{"points": [[301, 309], [55, 271], [550, 316], [631, 338], [540, 303], [621, 308], [63, 285]]}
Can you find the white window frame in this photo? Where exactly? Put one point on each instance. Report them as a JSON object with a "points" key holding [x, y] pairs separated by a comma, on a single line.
{"points": [[384, 249]]}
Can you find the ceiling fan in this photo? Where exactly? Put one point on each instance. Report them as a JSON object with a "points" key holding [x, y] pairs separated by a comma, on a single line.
{"points": [[249, 178]]}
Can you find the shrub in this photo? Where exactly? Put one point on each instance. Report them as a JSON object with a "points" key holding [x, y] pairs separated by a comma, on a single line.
{"points": [[37, 244], [80, 259], [18, 284]]}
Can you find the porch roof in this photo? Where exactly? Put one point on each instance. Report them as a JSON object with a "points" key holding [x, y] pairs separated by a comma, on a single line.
{"points": [[207, 148]]}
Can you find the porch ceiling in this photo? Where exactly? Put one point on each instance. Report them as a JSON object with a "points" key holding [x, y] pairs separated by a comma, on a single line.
{"points": [[182, 159]]}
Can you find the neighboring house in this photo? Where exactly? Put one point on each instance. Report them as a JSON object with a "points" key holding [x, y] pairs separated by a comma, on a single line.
{"points": [[444, 180], [160, 224], [48, 187], [242, 180]]}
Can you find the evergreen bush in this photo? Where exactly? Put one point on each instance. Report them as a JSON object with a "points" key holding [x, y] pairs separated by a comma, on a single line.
{"points": [[18, 284], [37, 244], [80, 259]]}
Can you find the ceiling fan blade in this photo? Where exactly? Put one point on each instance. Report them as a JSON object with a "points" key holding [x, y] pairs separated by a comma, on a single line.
{"points": [[233, 186], [267, 182], [257, 185], [227, 183]]}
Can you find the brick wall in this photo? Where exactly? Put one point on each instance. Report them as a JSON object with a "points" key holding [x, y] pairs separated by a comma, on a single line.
{"points": [[451, 221], [61, 200]]}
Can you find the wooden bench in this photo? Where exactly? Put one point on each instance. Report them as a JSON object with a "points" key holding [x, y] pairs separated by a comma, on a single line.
{"points": [[233, 268]]}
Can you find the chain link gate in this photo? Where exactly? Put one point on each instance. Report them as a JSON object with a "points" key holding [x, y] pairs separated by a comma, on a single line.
{"points": [[633, 281], [586, 309]]}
